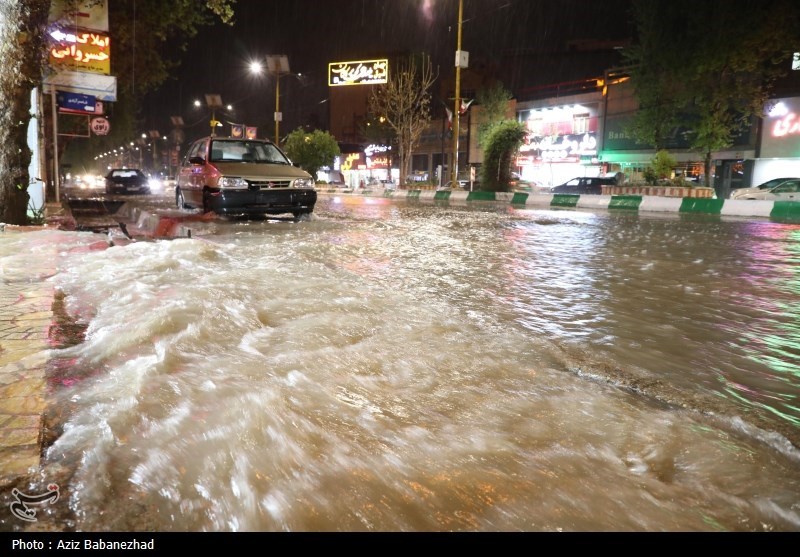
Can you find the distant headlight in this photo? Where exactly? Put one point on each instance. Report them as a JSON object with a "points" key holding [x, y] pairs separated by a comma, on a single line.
{"points": [[155, 185], [232, 183], [303, 183]]}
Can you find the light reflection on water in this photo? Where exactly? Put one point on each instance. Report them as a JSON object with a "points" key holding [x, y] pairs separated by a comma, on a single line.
{"points": [[403, 367]]}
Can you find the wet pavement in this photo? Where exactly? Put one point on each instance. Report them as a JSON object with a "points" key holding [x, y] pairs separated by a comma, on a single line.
{"points": [[30, 323], [26, 301], [445, 418]]}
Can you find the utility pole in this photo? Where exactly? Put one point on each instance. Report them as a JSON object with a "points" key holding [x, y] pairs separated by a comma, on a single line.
{"points": [[462, 61], [278, 64]]}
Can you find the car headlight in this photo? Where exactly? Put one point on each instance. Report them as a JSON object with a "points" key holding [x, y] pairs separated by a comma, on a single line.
{"points": [[232, 183], [303, 183], [154, 185]]}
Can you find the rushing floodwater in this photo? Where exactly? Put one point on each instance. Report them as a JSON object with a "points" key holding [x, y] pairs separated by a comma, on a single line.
{"points": [[410, 367]]}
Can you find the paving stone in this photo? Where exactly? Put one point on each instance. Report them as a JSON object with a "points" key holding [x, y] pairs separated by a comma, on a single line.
{"points": [[37, 316], [22, 405], [21, 422], [10, 437], [18, 461], [23, 387]]}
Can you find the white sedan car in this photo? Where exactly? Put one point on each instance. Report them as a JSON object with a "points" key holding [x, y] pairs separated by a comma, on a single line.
{"points": [[778, 188]]}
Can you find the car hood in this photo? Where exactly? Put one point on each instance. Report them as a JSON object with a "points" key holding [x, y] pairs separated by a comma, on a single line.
{"points": [[258, 171], [745, 191]]}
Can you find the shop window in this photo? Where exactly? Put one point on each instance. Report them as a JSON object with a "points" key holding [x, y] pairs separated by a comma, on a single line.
{"points": [[419, 163], [580, 123], [535, 127]]}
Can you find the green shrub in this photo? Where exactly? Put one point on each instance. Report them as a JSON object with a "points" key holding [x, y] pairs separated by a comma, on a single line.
{"points": [[663, 163], [501, 145]]}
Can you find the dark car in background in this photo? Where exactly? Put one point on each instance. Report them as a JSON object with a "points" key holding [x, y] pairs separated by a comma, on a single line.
{"points": [[243, 177], [584, 185], [127, 180]]}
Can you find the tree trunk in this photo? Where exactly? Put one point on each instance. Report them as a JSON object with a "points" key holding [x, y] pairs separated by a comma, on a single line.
{"points": [[22, 48], [403, 166], [707, 167]]}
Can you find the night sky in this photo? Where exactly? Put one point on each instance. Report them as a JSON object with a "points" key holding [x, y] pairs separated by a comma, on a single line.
{"points": [[523, 40]]}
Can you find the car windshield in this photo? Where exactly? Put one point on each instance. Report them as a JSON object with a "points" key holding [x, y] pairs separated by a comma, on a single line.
{"points": [[125, 174], [771, 183], [246, 151]]}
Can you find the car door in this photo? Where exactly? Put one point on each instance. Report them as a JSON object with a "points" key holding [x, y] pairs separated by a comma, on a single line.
{"points": [[569, 187], [787, 191], [591, 186], [190, 175]]}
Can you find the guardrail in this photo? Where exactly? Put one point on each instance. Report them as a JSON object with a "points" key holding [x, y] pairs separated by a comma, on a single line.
{"points": [[778, 211]]}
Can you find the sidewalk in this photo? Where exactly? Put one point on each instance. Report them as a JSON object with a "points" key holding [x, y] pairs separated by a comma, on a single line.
{"points": [[26, 300], [29, 326]]}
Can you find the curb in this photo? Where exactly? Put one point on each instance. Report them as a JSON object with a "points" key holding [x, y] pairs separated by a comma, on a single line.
{"points": [[776, 211]]}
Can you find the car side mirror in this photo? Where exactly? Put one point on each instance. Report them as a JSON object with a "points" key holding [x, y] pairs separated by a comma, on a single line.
{"points": [[297, 164], [197, 160]]}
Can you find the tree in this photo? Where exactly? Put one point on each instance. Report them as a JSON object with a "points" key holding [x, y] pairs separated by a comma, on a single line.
{"points": [[501, 145], [311, 150], [738, 49], [405, 104], [493, 101], [23, 50], [662, 164]]}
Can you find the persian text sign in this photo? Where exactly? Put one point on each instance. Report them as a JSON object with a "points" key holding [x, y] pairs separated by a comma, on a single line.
{"points": [[76, 103], [781, 137], [100, 126], [89, 14], [84, 51], [364, 72]]}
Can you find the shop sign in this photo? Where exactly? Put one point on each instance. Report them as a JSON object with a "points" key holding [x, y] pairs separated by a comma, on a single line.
{"points": [[781, 137], [351, 161], [378, 162], [363, 72], [87, 14], [83, 51], [370, 150], [563, 148]]}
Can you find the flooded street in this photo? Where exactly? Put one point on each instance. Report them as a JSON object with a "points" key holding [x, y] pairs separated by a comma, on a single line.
{"points": [[394, 366]]}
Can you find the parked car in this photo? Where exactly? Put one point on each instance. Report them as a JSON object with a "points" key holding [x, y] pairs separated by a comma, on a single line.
{"points": [[127, 180], [744, 193], [584, 185], [243, 177], [459, 185], [788, 190]]}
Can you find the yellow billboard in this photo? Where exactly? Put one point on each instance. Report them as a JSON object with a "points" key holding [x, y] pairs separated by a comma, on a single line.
{"points": [[362, 72], [82, 51]]}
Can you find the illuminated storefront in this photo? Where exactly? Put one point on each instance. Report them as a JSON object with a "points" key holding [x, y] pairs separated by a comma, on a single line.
{"points": [[779, 155], [372, 165], [561, 141]]}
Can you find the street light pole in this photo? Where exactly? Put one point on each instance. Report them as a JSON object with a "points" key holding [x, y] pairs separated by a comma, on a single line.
{"points": [[278, 64], [278, 114], [461, 61]]}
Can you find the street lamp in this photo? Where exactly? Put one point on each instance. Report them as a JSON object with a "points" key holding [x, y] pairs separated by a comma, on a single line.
{"points": [[277, 64], [213, 102]]}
